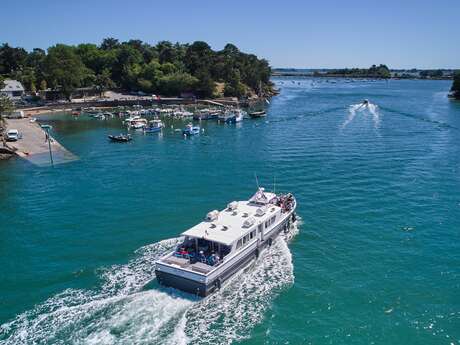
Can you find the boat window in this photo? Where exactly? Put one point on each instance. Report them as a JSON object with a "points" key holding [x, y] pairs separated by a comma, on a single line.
{"points": [[239, 243], [224, 250], [270, 221], [261, 228], [252, 234]]}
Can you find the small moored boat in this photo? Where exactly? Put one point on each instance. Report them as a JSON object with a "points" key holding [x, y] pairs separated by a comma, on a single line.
{"points": [[190, 129], [237, 116], [120, 138], [256, 114], [154, 126], [137, 123]]}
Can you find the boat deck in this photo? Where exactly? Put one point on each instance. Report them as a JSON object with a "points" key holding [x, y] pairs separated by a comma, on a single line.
{"points": [[198, 267]]}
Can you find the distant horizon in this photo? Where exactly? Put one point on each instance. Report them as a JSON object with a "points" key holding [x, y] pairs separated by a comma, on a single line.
{"points": [[391, 68], [403, 35]]}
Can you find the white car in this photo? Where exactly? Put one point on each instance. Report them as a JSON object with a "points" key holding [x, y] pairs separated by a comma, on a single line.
{"points": [[12, 135]]}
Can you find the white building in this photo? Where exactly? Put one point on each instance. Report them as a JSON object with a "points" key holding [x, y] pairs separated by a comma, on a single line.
{"points": [[13, 89]]}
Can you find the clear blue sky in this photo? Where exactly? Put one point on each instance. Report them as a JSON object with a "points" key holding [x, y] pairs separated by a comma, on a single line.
{"points": [[289, 33]]}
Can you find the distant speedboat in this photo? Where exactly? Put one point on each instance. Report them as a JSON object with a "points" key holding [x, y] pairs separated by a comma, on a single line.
{"points": [[191, 130], [120, 138]]}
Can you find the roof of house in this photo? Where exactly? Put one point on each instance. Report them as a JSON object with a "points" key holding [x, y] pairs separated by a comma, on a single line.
{"points": [[229, 224], [12, 85]]}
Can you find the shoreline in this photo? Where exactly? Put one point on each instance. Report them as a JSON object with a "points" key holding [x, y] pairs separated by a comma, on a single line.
{"points": [[344, 76], [110, 104]]}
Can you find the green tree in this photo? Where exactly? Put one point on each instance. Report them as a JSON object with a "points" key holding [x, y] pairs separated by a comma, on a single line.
{"points": [[64, 69], [6, 105], [109, 43], [150, 76], [103, 81], [455, 89], [11, 59], [175, 83], [27, 76], [234, 87], [205, 87], [127, 67], [136, 65], [198, 57], [43, 85]]}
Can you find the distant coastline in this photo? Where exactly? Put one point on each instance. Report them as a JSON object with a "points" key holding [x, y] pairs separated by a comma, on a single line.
{"points": [[438, 74]]}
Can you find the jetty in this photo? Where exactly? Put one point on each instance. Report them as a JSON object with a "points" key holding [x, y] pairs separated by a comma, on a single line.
{"points": [[35, 145]]}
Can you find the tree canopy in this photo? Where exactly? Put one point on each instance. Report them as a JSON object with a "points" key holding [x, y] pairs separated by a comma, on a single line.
{"points": [[381, 71], [165, 68], [455, 90]]}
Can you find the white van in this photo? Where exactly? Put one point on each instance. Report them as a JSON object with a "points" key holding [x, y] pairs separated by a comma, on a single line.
{"points": [[12, 135], [18, 114]]}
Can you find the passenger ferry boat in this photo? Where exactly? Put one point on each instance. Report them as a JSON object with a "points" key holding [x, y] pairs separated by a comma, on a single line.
{"points": [[222, 244]]}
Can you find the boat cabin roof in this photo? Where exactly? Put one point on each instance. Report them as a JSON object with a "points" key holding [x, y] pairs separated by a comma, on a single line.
{"points": [[232, 223]]}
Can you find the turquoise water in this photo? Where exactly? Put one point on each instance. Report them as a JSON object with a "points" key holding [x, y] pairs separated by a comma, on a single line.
{"points": [[376, 259]]}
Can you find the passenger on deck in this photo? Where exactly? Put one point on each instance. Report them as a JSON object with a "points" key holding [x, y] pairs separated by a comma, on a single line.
{"points": [[201, 257], [213, 259], [183, 252]]}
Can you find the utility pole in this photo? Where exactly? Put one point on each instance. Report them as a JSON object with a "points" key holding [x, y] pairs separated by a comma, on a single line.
{"points": [[48, 137]]}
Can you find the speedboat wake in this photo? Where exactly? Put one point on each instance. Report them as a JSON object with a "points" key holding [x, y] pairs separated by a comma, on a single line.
{"points": [[364, 107]]}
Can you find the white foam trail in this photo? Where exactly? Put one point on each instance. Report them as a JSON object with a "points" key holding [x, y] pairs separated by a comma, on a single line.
{"points": [[373, 109], [120, 312], [230, 314], [359, 108]]}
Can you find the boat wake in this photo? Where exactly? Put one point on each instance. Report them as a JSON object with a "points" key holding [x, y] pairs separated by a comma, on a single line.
{"points": [[366, 108], [122, 311]]}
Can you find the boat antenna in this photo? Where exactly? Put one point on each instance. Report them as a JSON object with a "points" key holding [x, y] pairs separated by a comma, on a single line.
{"points": [[257, 180]]}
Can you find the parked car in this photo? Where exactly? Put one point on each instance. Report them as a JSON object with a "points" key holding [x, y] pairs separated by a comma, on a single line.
{"points": [[18, 114], [12, 135]]}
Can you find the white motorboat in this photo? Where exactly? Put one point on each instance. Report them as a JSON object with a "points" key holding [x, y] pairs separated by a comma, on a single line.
{"points": [[225, 242]]}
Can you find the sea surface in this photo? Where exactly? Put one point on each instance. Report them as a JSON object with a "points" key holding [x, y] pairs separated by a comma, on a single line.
{"points": [[375, 258]]}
